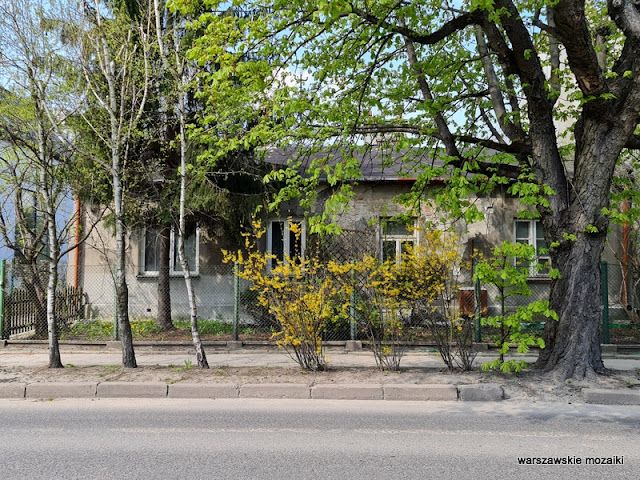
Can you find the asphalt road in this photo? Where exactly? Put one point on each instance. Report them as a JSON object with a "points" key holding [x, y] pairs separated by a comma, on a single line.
{"points": [[282, 439]]}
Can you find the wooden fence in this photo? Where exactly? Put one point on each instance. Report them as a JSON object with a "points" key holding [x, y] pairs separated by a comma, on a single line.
{"points": [[23, 313]]}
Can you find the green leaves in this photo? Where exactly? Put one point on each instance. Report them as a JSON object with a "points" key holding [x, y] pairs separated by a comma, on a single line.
{"points": [[531, 192], [508, 271]]}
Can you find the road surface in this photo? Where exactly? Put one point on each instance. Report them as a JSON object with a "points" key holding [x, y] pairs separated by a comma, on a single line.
{"points": [[314, 439]]}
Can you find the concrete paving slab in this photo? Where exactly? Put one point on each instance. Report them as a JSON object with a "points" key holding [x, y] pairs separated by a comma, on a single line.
{"points": [[61, 390], [420, 392], [611, 397], [12, 390], [203, 390], [481, 392], [132, 390], [347, 392], [275, 390]]}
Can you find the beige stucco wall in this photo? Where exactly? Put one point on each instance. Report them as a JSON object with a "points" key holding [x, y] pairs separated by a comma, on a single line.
{"points": [[214, 284], [373, 201]]}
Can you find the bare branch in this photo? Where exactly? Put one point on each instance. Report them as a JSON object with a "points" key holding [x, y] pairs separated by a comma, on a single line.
{"points": [[443, 128], [506, 125]]}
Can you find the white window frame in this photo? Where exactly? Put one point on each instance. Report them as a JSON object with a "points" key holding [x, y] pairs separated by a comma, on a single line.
{"points": [[193, 269], [287, 239], [412, 236], [531, 239]]}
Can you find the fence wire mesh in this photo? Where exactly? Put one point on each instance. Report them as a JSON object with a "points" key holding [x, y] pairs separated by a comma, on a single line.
{"points": [[90, 296]]}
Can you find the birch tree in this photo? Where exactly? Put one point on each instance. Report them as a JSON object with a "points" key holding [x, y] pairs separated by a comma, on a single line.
{"points": [[34, 161], [113, 65], [169, 28]]}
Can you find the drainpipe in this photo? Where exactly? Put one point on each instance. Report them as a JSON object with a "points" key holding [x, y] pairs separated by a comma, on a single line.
{"points": [[625, 258]]}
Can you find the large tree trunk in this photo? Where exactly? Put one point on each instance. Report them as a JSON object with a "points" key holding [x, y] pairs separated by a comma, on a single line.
{"points": [[573, 343], [164, 286]]}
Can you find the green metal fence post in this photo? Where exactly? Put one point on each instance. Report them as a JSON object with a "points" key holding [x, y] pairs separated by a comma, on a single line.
{"points": [[236, 301], [2, 270], [116, 330], [604, 291], [352, 309]]}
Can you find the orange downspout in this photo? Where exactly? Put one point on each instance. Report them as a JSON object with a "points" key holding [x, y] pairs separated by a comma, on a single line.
{"points": [[625, 257]]}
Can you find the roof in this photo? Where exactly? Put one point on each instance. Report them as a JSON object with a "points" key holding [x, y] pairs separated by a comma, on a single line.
{"points": [[377, 163]]}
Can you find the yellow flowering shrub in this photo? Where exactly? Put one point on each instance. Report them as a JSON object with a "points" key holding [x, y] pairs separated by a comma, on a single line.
{"points": [[306, 295], [434, 278], [303, 294], [382, 308], [422, 286]]}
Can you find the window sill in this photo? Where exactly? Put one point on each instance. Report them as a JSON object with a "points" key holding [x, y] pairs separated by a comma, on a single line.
{"points": [[540, 279], [154, 275]]}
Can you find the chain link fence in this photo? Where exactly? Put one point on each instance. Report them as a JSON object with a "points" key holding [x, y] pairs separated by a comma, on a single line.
{"points": [[89, 295]]}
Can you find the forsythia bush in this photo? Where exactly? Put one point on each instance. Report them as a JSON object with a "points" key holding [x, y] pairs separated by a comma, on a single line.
{"points": [[381, 308], [423, 285], [303, 294]]}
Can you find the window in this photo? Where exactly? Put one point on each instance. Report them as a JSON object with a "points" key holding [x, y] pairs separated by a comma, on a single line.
{"points": [[397, 236], [191, 251], [531, 233], [151, 254], [285, 241], [151, 258]]}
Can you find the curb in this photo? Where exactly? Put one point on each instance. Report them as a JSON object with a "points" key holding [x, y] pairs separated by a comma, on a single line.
{"points": [[12, 390], [362, 391], [422, 392], [481, 392], [61, 390], [484, 392], [131, 390], [391, 392], [203, 390], [275, 390]]}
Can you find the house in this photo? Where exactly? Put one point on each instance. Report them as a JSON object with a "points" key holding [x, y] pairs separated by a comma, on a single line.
{"points": [[368, 227]]}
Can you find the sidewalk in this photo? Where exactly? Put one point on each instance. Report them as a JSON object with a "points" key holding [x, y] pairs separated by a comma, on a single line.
{"points": [[268, 378], [38, 357]]}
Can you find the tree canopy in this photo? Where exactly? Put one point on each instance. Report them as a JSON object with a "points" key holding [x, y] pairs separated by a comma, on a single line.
{"points": [[543, 97]]}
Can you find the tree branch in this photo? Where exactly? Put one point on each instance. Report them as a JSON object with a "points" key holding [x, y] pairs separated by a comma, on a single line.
{"points": [[515, 148], [441, 123], [626, 15], [506, 125], [452, 26], [572, 30]]}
